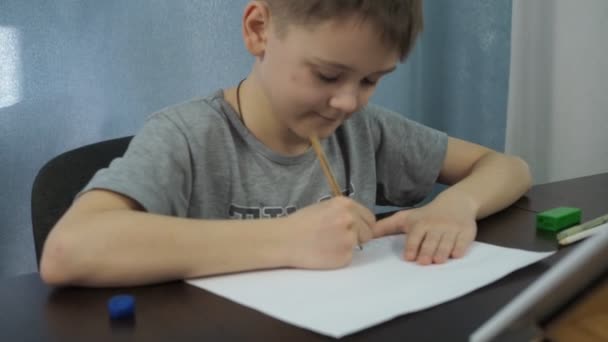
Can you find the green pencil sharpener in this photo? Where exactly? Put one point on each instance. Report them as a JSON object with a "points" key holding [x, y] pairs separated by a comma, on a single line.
{"points": [[557, 219]]}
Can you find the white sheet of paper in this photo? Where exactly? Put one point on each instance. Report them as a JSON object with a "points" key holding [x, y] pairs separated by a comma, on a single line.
{"points": [[377, 286]]}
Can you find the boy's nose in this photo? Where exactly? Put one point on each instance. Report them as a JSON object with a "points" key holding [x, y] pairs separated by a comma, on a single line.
{"points": [[345, 101]]}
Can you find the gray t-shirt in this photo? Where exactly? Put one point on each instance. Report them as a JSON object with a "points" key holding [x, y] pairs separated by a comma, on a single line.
{"points": [[198, 160]]}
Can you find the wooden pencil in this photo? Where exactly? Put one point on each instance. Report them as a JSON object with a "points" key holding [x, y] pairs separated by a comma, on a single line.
{"points": [[316, 145], [331, 180]]}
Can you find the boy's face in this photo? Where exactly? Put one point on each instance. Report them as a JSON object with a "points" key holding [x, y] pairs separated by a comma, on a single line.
{"points": [[316, 77]]}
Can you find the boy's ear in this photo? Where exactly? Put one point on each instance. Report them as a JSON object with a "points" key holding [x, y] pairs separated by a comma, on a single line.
{"points": [[256, 20]]}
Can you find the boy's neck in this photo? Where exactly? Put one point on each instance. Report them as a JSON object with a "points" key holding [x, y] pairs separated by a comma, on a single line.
{"points": [[259, 119]]}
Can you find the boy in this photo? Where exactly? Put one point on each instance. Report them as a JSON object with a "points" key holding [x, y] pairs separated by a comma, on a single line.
{"points": [[166, 209]]}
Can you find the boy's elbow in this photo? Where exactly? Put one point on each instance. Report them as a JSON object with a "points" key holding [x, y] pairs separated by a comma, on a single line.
{"points": [[528, 173], [56, 263], [524, 174]]}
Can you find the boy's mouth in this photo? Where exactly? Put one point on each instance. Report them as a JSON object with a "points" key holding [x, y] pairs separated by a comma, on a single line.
{"points": [[332, 118]]}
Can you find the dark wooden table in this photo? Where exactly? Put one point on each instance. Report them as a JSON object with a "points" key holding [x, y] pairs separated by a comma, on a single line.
{"points": [[32, 311]]}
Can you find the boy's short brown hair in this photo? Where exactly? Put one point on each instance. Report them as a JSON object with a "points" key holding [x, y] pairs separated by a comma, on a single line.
{"points": [[398, 21]]}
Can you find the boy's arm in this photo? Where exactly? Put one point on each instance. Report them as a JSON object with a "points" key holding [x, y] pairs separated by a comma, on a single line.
{"points": [[105, 239], [488, 180], [482, 182]]}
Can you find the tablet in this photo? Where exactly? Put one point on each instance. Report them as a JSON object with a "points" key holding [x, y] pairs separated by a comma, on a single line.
{"points": [[519, 320]]}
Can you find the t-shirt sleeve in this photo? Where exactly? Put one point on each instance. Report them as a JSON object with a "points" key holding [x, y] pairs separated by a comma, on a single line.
{"points": [[409, 157], [154, 171]]}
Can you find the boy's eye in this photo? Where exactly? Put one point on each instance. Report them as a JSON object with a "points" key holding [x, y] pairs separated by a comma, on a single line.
{"points": [[369, 82], [327, 78], [334, 78]]}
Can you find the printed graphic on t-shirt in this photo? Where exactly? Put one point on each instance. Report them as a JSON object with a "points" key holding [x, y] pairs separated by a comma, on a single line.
{"points": [[241, 212], [236, 211]]}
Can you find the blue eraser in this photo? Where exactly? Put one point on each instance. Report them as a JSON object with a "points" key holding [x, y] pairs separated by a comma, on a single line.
{"points": [[121, 306]]}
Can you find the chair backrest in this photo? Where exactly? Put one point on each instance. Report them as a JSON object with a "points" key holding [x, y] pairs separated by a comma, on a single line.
{"points": [[61, 178]]}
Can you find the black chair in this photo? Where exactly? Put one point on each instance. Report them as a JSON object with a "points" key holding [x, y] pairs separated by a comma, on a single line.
{"points": [[61, 178]]}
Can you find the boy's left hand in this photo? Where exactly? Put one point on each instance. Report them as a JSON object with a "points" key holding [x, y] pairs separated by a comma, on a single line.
{"points": [[435, 232]]}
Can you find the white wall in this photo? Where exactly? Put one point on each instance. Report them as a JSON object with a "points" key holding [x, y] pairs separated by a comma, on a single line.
{"points": [[558, 94]]}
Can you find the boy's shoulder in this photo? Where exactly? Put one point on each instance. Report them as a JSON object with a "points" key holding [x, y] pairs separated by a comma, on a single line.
{"points": [[388, 127], [195, 109], [198, 119], [374, 115], [374, 111]]}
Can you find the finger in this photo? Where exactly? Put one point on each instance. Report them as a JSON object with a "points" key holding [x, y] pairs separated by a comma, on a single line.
{"points": [[365, 233], [354, 208], [366, 215], [389, 225], [428, 247], [412, 244], [445, 247], [463, 242]]}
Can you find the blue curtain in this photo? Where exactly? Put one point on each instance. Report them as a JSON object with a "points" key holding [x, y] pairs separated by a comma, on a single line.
{"points": [[457, 78], [84, 71]]}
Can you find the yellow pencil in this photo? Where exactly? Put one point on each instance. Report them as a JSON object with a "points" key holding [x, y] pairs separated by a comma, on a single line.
{"points": [[335, 189]]}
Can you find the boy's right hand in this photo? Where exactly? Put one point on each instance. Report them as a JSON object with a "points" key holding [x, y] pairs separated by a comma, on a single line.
{"points": [[324, 235]]}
